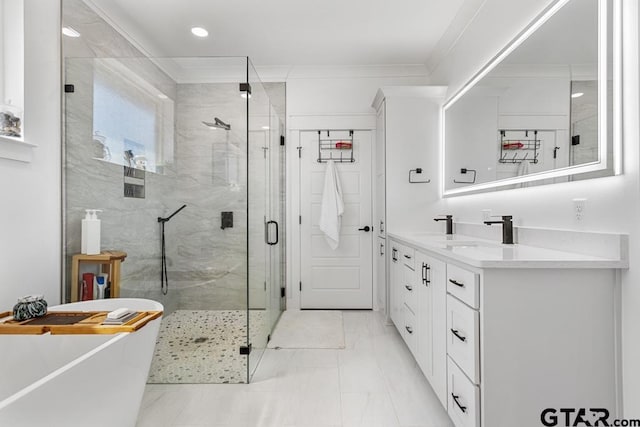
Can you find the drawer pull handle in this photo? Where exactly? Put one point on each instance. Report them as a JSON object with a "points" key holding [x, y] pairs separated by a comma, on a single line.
{"points": [[425, 274], [381, 249], [394, 251], [407, 256], [457, 283], [409, 329], [455, 399], [409, 288], [460, 337]]}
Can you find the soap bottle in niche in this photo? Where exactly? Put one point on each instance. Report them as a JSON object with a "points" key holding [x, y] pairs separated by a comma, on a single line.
{"points": [[90, 244]]}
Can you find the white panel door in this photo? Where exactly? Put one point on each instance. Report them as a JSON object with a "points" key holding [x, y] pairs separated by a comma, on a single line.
{"points": [[340, 278]]}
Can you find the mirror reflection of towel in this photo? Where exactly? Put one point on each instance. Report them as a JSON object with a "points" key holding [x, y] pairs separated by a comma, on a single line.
{"points": [[523, 169], [332, 206]]}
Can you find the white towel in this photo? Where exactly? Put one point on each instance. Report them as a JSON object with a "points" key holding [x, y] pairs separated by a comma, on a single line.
{"points": [[332, 206]]}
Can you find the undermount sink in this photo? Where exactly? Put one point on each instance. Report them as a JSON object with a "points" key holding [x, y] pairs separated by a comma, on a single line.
{"points": [[460, 244], [455, 241]]}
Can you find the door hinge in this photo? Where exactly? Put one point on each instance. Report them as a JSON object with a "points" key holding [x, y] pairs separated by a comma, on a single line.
{"points": [[283, 292], [245, 349], [299, 152], [282, 139], [268, 337], [300, 285], [265, 285], [299, 219]]}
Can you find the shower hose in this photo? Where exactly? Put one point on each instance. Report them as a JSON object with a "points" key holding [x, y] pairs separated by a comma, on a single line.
{"points": [[164, 280]]}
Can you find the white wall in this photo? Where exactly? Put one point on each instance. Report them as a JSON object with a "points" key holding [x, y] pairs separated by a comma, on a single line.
{"points": [[343, 91], [613, 202], [30, 213]]}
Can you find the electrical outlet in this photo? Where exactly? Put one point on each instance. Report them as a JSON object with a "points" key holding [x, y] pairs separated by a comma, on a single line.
{"points": [[579, 208]]}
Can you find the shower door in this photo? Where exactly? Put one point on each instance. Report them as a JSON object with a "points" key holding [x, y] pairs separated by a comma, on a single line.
{"points": [[265, 232]]}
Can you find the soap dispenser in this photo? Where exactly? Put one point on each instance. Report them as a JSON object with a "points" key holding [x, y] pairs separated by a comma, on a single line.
{"points": [[90, 244]]}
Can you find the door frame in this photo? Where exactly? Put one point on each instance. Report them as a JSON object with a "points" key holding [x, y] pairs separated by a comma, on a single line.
{"points": [[297, 124]]}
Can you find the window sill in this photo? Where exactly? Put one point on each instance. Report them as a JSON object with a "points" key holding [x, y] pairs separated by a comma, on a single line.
{"points": [[16, 149]]}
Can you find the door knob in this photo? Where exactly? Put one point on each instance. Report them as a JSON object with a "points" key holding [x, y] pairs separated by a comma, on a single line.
{"points": [[365, 228]]}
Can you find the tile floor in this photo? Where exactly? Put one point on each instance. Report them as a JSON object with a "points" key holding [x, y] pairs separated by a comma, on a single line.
{"points": [[201, 347], [373, 382]]}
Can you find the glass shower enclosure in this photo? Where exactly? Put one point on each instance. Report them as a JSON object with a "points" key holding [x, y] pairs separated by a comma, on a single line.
{"points": [[183, 158]]}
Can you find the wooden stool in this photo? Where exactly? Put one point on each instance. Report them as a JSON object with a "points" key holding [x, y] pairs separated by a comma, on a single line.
{"points": [[110, 264]]}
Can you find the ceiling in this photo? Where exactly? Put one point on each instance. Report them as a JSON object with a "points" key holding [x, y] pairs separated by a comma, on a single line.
{"points": [[289, 32]]}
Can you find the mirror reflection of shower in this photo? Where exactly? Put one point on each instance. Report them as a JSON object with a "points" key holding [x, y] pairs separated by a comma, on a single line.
{"points": [[584, 146]]}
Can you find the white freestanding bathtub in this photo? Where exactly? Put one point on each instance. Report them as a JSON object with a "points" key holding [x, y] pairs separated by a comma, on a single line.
{"points": [[77, 380]]}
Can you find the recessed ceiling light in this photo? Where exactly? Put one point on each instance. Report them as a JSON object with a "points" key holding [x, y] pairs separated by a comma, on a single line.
{"points": [[244, 95], [70, 32], [265, 127], [577, 94], [162, 96], [199, 32]]}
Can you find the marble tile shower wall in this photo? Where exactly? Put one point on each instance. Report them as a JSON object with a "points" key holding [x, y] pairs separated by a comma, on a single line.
{"points": [[209, 264], [206, 265]]}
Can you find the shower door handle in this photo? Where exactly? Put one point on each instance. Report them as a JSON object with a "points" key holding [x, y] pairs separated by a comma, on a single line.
{"points": [[277, 233]]}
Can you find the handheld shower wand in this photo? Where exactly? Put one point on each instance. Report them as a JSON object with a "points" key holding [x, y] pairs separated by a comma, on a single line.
{"points": [[164, 280], [160, 219]]}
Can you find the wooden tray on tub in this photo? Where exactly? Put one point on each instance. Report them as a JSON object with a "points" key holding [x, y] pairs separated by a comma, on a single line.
{"points": [[73, 322]]}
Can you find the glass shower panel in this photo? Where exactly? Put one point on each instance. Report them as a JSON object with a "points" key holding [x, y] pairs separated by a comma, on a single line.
{"points": [[276, 205], [144, 137], [260, 227]]}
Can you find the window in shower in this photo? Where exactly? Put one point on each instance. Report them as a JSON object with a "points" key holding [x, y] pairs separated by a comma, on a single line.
{"points": [[132, 120]]}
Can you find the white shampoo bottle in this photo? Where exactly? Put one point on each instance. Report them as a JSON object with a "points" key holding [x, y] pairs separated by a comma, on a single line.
{"points": [[90, 244]]}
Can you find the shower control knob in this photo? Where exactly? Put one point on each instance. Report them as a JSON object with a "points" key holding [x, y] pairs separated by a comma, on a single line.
{"points": [[366, 228]]}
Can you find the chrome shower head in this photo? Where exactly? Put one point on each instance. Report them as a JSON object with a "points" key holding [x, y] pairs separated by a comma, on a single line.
{"points": [[218, 124]]}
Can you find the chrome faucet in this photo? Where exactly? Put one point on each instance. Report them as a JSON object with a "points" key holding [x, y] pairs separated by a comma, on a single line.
{"points": [[449, 219], [507, 228]]}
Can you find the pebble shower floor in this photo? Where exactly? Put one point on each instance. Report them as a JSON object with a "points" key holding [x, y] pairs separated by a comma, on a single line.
{"points": [[202, 346]]}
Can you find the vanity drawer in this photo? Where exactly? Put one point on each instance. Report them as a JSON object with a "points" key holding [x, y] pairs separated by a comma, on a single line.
{"points": [[463, 398], [408, 256], [463, 284], [463, 332], [409, 288], [409, 331]]}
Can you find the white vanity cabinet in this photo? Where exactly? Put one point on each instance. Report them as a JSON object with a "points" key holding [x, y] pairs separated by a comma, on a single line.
{"points": [[504, 334], [404, 294], [538, 338], [418, 309], [432, 337], [395, 277]]}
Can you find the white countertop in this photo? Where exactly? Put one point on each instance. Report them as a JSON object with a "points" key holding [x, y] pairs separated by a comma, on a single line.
{"points": [[483, 253]]}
